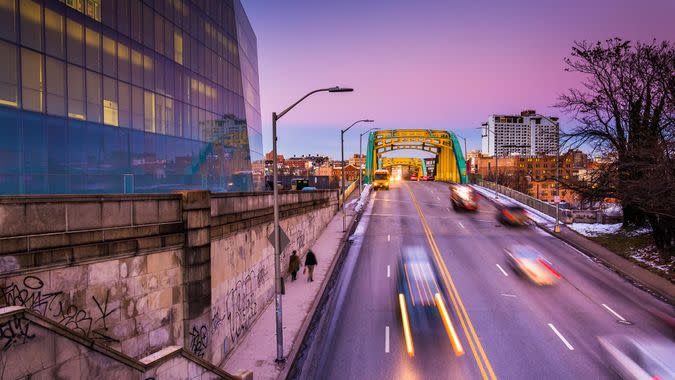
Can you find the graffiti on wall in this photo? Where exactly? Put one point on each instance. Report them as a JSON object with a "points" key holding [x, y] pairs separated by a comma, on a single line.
{"points": [[240, 306], [15, 332], [199, 340], [29, 293]]}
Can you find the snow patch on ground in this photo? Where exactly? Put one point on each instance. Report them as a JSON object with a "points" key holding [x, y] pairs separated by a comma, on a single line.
{"points": [[363, 199], [595, 229], [650, 257]]}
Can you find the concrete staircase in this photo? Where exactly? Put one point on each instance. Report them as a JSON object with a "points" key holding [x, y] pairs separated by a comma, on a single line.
{"points": [[36, 347]]}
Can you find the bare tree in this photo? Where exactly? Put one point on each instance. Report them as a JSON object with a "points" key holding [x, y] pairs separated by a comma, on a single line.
{"points": [[625, 107]]}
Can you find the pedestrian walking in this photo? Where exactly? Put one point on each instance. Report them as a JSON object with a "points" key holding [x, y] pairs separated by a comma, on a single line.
{"points": [[310, 263], [294, 265]]}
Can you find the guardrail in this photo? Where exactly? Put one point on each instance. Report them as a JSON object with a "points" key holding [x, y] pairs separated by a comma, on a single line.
{"points": [[348, 191], [566, 216]]}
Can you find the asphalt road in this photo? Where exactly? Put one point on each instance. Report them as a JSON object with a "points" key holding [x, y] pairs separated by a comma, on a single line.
{"points": [[509, 328]]}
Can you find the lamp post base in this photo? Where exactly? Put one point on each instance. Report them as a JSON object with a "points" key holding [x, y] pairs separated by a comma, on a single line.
{"points": [[556, 229]]}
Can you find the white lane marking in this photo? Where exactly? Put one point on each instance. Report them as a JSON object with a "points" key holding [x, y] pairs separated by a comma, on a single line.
{"points": [[508, 295], [388, 271], [438, 198], [501, 269], [460, 224], [388, 237], [386, 339], [614, 313], [448, 208], [569, 346]]}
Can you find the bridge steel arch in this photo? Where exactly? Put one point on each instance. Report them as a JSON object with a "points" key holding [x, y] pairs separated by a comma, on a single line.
{"points": [[388, 162], [450, 165]]}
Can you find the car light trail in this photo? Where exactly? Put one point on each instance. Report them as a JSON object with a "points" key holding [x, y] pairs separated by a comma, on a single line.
{"points": [[406, 326], [542, 262], [452, 334]]}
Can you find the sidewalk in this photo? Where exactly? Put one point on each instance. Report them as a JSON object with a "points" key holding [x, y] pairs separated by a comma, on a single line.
{"points": [[641, 276], [257, 351]]}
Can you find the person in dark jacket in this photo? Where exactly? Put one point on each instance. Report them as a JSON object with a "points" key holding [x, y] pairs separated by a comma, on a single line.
{"points": [[310, 263], [294, 265]]}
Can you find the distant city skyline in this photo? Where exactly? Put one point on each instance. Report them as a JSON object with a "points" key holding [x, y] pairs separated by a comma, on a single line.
{"points": [[427, 72]]}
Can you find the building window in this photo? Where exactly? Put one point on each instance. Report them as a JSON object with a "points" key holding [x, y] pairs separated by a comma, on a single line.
{"points": [[123, 62], [75, 92], [75, 42], [54, 33], [8, 19], [137, 104], [109, 56], [124, 96], [93, 40], [149, 102], [110, 104], [31, 24], [8, 75], [136, 67], [94, 96], [178, 47], [56, 87], [32, 81]]}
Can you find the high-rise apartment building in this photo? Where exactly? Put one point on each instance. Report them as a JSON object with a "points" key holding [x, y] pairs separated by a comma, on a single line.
{"points": [[527, 134], [115, 96]]}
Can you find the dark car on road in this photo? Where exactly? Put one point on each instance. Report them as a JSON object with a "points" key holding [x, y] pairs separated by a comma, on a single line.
{"points": [[512, 215]]}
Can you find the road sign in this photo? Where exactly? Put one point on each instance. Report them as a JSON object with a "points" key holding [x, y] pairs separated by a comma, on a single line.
{"points": [[557, 199], [283, 239]]}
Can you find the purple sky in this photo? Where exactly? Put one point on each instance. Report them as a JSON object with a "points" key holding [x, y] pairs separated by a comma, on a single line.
{"points": [[426, 64]]}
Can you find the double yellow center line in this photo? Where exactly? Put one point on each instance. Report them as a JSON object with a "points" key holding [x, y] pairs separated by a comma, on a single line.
{"points": [[476, 347]]}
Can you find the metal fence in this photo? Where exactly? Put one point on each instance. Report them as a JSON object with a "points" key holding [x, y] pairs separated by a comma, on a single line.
{"points": [[546, 208]]}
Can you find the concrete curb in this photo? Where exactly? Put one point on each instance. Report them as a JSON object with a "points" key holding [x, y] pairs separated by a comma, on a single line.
{"points": [[635, 274], [304, 329]]}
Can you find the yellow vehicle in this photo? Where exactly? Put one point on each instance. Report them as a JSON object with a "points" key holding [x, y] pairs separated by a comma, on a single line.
{"points": [[381, 179]]}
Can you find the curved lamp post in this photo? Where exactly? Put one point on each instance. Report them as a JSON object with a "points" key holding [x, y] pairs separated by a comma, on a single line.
{"points": [[342, 180], [277, 252]]}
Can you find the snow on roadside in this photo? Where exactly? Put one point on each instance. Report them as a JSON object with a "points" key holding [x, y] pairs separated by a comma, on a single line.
{"points": [[363, 199], [650, 257], [595, 229]]}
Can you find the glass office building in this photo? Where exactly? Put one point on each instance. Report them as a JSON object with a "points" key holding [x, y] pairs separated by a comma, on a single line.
{"points": [[122, 96]]}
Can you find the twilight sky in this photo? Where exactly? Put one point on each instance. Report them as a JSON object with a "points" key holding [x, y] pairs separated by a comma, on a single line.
{"points": [[426, 64]]}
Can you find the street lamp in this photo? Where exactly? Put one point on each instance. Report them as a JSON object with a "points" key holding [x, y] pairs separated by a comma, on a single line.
{"points": [[464, 145], [277, 252], [342, 180], [360, 169], [557, 173], [487, 128]]}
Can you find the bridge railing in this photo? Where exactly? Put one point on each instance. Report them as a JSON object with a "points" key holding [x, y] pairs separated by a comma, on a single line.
{"points": [[546, 208]]}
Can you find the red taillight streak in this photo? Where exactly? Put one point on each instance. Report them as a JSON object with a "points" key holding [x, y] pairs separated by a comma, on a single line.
{"points": [[542, 262]]}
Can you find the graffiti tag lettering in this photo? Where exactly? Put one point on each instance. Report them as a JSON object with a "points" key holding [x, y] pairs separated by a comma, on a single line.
{"points": [[15, 332]]}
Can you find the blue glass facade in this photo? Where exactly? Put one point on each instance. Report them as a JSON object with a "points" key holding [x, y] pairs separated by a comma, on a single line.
{"points": [[114, 96]]}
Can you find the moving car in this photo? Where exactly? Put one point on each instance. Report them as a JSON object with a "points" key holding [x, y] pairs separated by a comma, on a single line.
{"points": [[463, 197], [413, 177], [639, 357], [381, 179], [424, 178], [512, 215], [421, 297], [526, 261]]}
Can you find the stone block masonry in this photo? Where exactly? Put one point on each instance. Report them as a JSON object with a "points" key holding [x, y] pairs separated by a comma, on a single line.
{"points": [[139, 273]]}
